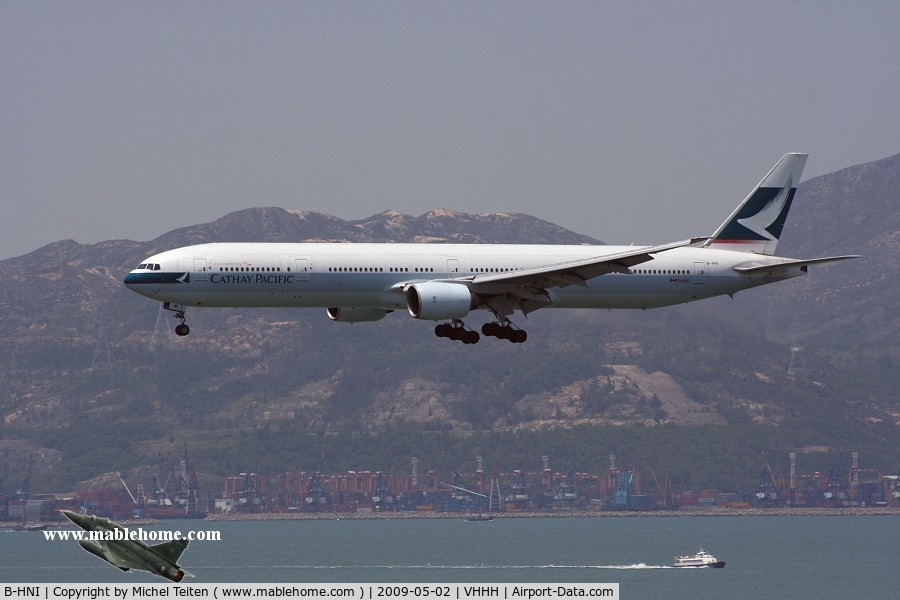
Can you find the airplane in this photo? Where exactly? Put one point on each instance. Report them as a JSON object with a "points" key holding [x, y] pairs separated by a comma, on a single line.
{"points": [[127, 554], [358, 282]]}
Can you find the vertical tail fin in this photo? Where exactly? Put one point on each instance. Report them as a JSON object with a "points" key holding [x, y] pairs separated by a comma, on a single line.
{"points": [[756, 224]]}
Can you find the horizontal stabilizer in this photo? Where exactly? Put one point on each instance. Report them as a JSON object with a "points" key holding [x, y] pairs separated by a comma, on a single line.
{"points": [[791, 264]]}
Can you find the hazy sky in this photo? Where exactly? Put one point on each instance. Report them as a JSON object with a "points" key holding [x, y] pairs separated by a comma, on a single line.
{"points": [[627, 121]]}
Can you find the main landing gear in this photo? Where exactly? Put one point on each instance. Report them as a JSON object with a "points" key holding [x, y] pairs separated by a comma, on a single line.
{"points": [[457, 330], [504, 330], [501, 329], [181, 329]]}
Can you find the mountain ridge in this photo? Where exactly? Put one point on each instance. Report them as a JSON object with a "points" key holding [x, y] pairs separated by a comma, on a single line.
{"points": [[78, 348]]}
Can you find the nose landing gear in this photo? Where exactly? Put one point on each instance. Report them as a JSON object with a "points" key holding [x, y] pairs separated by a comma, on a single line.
{"points": [[181, 329]]}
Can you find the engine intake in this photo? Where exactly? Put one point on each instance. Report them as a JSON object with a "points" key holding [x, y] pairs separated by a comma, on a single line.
{"points": [[437, 300], [356, 315]]}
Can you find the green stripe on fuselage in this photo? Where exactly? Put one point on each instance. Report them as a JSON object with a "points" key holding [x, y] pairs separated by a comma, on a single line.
{"points": [[156, 278]]}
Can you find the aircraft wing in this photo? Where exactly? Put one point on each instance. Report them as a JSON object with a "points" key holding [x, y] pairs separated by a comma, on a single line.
{"points": [[171, 551], [774, 268], [576, 272], [528, 289], [112, 553]]}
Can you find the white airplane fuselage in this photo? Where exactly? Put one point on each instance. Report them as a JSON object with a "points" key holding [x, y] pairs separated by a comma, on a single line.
{"points": [[445, 282], [371, 275]]}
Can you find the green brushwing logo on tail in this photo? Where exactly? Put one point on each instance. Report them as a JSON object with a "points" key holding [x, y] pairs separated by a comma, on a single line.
{"points": [[762, 217]]}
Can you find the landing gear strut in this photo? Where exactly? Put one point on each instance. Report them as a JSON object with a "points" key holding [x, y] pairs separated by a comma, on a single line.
{"points": [[181, 329], [457, 330], [504, 329]]}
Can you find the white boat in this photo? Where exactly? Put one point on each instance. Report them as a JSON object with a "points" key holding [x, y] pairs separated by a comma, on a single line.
{"points": [[701, 559], [480, 517]]}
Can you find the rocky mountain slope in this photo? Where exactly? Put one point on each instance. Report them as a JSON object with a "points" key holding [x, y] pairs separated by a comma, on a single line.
{"points": [[92, 374], [852, 211]]}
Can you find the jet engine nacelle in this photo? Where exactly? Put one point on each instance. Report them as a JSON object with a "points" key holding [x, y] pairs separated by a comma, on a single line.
{"points": [[169, 572], [437, 300], [356, 315]]}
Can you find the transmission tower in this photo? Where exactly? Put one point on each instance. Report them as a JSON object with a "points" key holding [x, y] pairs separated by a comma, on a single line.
{"points": [[797, 365], [102, 358], [162, 333]]}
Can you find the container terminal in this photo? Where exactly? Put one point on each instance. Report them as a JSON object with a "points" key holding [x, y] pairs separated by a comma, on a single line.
{"points": [[616, 488]]}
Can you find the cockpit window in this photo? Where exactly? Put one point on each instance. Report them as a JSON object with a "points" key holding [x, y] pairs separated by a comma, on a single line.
{"points": [[142, 266], [156, 267]]}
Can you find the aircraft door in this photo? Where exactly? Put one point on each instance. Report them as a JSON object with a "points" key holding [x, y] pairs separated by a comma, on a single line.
{"points": [[201, 269], [303, 269], [699, 272], [452, 267]]}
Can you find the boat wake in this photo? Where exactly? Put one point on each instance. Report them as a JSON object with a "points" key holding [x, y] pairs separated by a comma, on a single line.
{"points": [[634, 567], [637, 566]]}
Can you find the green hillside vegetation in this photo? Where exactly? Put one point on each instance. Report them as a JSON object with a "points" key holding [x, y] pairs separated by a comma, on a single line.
{"points": [[93, 381]]}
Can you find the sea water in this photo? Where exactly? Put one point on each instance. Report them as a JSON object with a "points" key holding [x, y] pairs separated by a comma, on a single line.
{"points": [[767, 557]]}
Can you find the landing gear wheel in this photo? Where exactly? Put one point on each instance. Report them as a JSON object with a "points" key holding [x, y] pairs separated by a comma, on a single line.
{"points": [[180, 329], [490, 329], [457, 331], [443, 330], [503, 329]]}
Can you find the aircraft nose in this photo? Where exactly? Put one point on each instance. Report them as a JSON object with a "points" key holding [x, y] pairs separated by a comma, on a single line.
{"points": [[79, 520]]}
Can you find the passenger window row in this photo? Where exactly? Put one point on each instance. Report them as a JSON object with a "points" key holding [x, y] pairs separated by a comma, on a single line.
{"points": [[660, 271], [378, 270]]}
